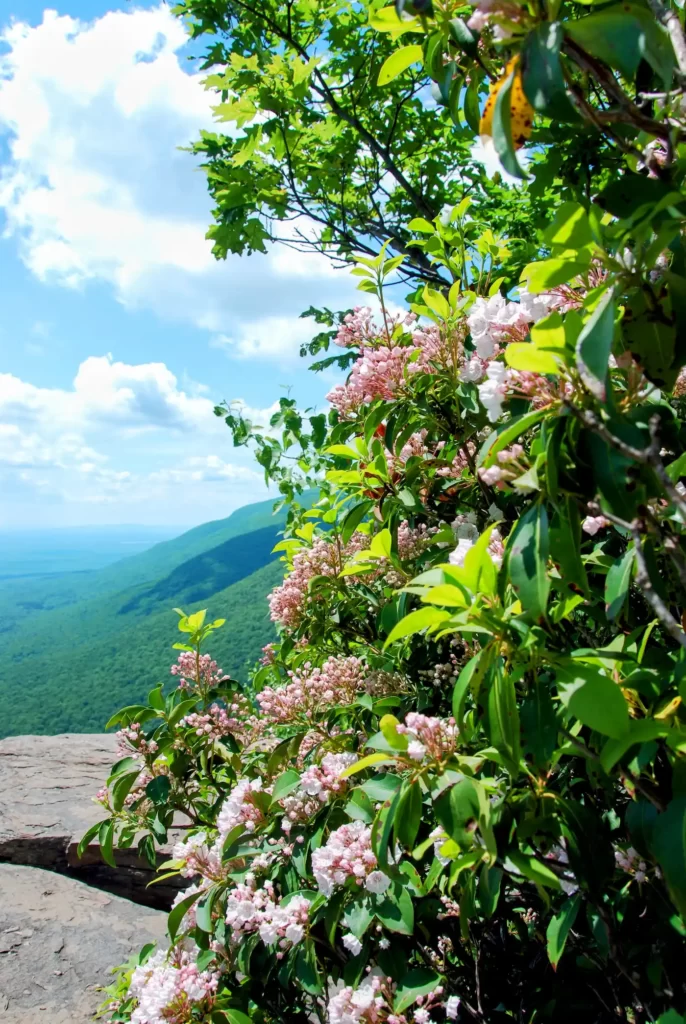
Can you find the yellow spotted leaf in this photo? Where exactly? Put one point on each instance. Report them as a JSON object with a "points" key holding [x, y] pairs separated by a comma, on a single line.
{"points": [[521, 111]]}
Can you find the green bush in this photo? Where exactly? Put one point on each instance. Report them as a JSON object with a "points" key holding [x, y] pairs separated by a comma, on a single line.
{"points": [[455, 788]]}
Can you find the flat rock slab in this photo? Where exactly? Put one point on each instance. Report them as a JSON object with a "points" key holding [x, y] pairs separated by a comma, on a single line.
{"points": [[58, 940], [47, 786]]}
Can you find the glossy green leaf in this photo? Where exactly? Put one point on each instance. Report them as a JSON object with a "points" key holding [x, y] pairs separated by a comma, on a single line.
{"points": [[617, 583], [417, 982], [531, 868], [668, 844], [542, 78], [546, 274], [399, 61], [594, 699], [594, 347], [415, 622], [559, 928], [527, 562], [409, 815]]}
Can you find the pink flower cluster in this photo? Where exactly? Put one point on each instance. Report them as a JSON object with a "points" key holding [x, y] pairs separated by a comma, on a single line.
{"points": [[199, 858], [288, 601], [216, 721], [592, 524], [359, 328], [430, 739], [413, 541], [197, 672], [169, 988], [249, 910], [132, 736], [314, 690], [318, 784], [241, 808], [348, 854], [378, 373], [372, 1001], [510, 466]]}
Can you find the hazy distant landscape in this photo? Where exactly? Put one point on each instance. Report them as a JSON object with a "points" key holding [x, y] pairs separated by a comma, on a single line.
{"points": [[86, 624], [74, 549]]}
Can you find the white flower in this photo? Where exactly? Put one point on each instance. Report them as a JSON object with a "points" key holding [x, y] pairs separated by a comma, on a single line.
{"points": [[384, 944], [451, 1007], [377, 882], [268, 933], [421, 1016], [472, 371], [492, 391], [294, 933], [352, 943], [415, 749], [458, 556]]}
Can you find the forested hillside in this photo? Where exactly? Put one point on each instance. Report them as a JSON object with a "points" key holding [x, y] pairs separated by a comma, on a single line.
{"points": [[78, 645]]}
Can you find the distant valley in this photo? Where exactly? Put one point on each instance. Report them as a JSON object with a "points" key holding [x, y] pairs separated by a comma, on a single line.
{"points": [[77, 645]]}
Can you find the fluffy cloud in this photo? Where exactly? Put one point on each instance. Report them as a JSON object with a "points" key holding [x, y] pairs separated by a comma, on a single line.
{"points": [[122, 433], [96, 188]]}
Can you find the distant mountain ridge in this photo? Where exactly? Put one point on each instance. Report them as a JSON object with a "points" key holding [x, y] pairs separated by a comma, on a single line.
{"points": [[78, 646]]}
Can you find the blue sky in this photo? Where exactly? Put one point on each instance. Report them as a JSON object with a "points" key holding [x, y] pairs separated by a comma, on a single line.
{"points": [[119, 331]]}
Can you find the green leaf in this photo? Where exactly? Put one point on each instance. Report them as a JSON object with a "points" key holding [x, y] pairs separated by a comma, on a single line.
{"points": [[415, 622], [594, 699], [381, 787], [642, 731], [488, 892], [622, 36], [594, 347], [471, 106], [85, 839], [158, 789], [177, 914], [381, 830], [546, 274], [469, 681], [559, 928], [106, 840], [122, 787], [502, 130], [542, 78], [181, 710], [503, 718], [366, 762], [617, 584], [448, 595], [459, 810], [503, 437], [285, 784], [237, 1016], [539, 725], [417, 982], [409, 815], [668, 844], [527, 561], [203, 913], [531, 868], [396, 911], [126, 764]]}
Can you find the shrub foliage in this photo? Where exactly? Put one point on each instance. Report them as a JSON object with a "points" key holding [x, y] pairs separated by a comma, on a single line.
{"points": [[455, 788]]}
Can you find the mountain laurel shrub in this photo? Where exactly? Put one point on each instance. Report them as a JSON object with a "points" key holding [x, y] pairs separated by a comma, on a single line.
{"points": [[455, 788]]}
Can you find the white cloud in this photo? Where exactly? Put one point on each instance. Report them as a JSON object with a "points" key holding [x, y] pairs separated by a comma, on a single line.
{"points": [[124, 434], [96, 188], [107, 393], [271, 337]]}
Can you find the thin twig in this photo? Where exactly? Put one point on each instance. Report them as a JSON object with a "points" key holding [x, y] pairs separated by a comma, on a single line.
{"points": [[670, 20]]}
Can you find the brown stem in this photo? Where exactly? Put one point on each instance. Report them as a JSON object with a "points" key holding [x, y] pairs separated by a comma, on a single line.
{"points": [[670, 20]]}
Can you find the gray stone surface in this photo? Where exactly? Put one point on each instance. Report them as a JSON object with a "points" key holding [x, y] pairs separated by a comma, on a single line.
{"points": [[47, 785], [58, 940]]}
